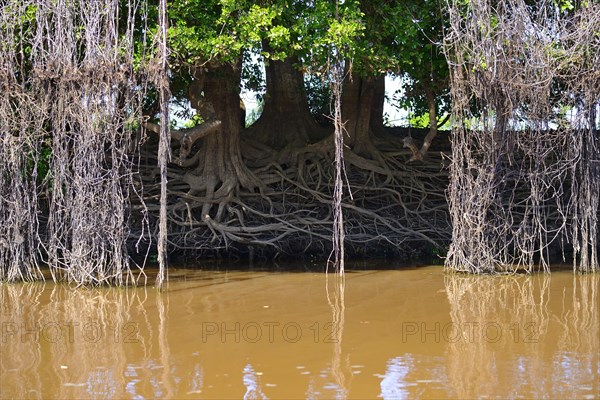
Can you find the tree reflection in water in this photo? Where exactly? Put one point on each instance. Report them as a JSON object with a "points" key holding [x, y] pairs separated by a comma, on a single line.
{"points": [[61, 342], [513, 315], [75, 341]]}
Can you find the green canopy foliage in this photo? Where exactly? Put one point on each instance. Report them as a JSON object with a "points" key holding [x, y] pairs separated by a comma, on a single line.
{"points": [[399, 37]]}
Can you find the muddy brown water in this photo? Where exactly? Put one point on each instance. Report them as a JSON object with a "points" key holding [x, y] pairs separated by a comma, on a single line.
{"points": [[408, 333]]}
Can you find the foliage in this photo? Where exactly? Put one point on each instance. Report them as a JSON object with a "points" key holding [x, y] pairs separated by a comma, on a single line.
{"points": [[422, 64], [374, 37], [422, 121], [319, 98]]}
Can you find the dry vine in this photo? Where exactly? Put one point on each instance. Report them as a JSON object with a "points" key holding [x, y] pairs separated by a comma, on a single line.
{"points": [[70, 99], [161, 81], [524, 179]]}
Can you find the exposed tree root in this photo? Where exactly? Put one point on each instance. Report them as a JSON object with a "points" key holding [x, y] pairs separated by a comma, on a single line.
{"points": [[394, 205]]}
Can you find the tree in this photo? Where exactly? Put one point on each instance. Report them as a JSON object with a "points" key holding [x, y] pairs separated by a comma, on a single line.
{"points": [[423, 66], [286, 121], [207, 40], [404, 38], [221, 204]]}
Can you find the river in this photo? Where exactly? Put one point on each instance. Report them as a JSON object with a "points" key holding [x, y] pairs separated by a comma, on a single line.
{"points": [[392, 334]]}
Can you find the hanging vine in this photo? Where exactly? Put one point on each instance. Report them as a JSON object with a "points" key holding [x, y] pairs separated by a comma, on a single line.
{"points": [[161, 81], [525, 172], [71, 99]]}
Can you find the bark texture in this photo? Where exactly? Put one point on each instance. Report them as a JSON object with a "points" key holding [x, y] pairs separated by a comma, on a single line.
{"points": [[362, 112], [286, 121]]}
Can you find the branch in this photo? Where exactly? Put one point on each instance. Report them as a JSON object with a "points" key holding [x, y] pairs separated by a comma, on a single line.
{"points": [[410, 143], [187, 137], [194, 134], [444, 120]]}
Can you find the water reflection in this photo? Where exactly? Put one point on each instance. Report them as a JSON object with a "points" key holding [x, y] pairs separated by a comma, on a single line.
{"points": [[252, 382], [336, 300], [394, 384], [331, 380], [74, 340], [503, 327], [515, 336], [196, 380]]}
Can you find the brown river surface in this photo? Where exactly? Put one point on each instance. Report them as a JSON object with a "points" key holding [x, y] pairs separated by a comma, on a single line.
{"points": [[392, 334]]}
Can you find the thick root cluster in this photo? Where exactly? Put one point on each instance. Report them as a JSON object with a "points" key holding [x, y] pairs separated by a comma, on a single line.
{"points": [[391, 207]]}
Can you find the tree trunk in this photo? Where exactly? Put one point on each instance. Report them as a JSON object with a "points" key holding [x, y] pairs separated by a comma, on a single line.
{"points": [[359, 104], [221, 169], [377, 106], [286, 121], [409, 142], [433, 127]]}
